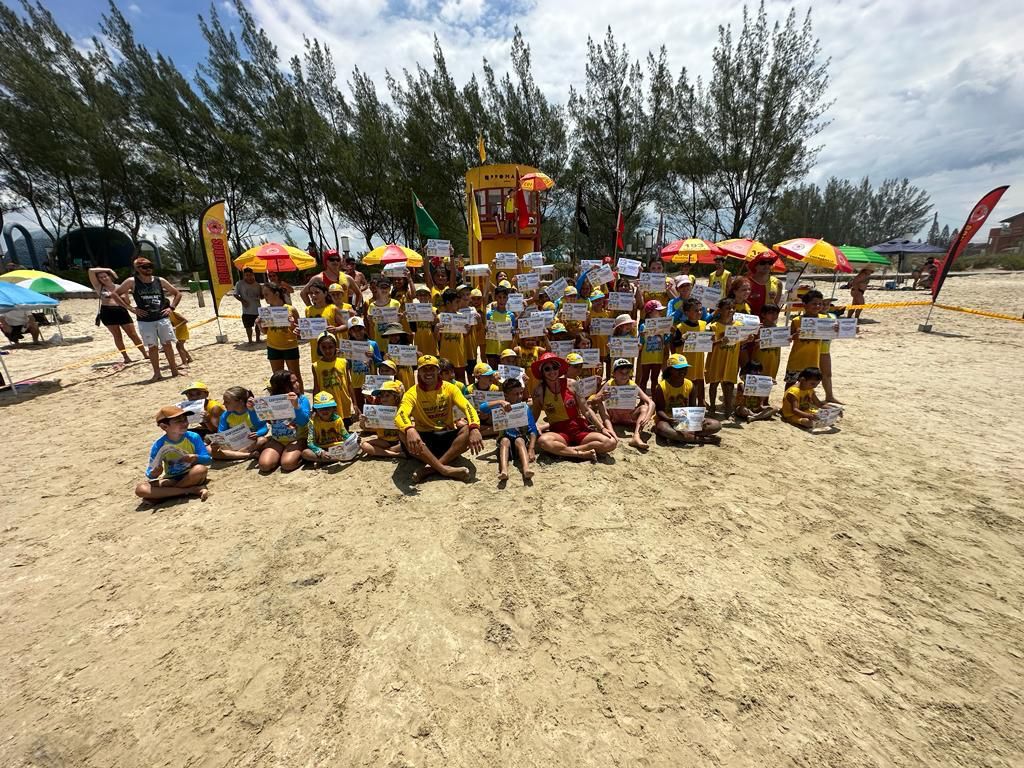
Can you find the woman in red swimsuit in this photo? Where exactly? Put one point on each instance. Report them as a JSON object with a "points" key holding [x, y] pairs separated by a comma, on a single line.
{"points": [[568, 431]]}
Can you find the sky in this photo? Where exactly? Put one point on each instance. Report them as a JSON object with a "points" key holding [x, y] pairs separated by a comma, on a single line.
{"points": [[931, 91]]}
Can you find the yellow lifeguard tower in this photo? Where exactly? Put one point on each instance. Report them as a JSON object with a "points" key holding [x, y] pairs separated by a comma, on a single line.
{"points": [[495, 189]]}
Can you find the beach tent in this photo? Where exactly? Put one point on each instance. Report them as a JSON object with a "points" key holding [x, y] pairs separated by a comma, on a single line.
{"points": [[903, 247], [54, 284], [15, 296]]}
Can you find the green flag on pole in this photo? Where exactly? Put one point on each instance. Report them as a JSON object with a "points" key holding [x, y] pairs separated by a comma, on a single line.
{"points": [[425, 224]]}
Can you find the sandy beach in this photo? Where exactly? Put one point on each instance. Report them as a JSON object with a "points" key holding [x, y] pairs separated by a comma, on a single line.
{"points": [[848, 599]]}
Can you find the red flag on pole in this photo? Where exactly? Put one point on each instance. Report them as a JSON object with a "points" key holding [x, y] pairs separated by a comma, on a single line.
{"points": [[521, 209], [620, 230], [975, 222]]}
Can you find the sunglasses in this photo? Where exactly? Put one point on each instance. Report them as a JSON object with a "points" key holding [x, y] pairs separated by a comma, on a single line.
{"points": [[334, 259], [145, 268], [547, 368]]}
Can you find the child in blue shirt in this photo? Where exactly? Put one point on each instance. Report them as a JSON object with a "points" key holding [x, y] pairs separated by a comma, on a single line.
{"points": [[523, 438], [177, 461]]}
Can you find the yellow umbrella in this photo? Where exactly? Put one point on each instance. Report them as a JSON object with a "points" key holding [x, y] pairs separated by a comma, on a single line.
{"points": [[274, 257], [393, 254], [17, 275], [536, 182], [690, 250]]}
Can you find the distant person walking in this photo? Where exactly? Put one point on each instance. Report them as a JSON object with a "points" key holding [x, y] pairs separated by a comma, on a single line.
{"points": [[857, 287], [113, 311], [153, 310], [249, 293]]}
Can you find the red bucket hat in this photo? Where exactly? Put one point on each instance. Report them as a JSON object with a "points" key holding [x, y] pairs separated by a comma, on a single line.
{"points": [[548, 357]]}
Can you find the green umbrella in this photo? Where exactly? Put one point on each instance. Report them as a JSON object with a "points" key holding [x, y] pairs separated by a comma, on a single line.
{"points": [[857, 255]]}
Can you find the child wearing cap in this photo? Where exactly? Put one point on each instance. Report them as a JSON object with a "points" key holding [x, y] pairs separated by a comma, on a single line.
{"points": [[396, 334], [359, 368], [498, 313], [625, 325], [476, 339], [451, 346], [326, 429], [653, 346], [318, 306], [380, 287], [338, 311], [238, 410], [598, 309], [212, 409], [523, 439], [423, 330], [674, 390], [178, 461], [639, 417], [386, 443], [572, 297], [721, 277], [750, 407], [483, 381], [331, 374]]}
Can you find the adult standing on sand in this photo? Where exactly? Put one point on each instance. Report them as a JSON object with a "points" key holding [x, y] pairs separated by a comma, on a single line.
{"points": [[153, 310], [331, 274], [764, 288], [114, 310], [249, 292], [426, 423]]}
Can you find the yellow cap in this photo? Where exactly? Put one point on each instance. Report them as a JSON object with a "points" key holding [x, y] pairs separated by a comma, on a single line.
{"points": [[324, 400], [390, 386], [548, 305], [483, 369], [508, 353], [335, 288], [426, 360], [196, 385], [574, 358], [677, 361], [476, 293], [505, 284]]}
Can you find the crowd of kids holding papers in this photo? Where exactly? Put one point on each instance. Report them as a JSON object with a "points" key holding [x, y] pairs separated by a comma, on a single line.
{"points": [[507, 352]]}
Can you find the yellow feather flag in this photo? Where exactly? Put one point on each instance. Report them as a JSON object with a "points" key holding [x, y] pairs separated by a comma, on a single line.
{"points": [[474, 215], [480, 148]]}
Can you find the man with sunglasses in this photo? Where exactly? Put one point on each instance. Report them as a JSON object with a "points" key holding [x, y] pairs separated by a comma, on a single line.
{"points": [[764, 288], [153, 309], [332, 274]]}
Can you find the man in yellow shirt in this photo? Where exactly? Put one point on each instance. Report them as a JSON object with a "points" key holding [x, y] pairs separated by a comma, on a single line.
{"points": [[426, 423]]}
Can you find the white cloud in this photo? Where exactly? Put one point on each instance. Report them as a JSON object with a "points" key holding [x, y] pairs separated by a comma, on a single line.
{"points": [[933, 91], [134, 8]]}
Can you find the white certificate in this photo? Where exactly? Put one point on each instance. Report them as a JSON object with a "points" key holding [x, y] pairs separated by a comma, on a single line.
{"points": [[734, 334], [516, 302], [824, 328], [419, 312], [698, 341], [561, 348], [528, 281], [476, 270], [621, 301], [774, 337], [710, 297], [275, 317], [404, 355], [384, 315], [847, 328], [373, 382], [697, 292], [355, 350], [380, 416], [603, 275], [534, 259], [453, 322], [516, 416], [274, 408], [691, 418], [622, 398], [310, 328], [395, 270], [827, 415], [757, 386], [588, 386], [439, 247], [547, 315], [657, 326], [234, 439], [499, 331], [602, 326], [750, 322], [506, 372], [532, 327], [628, 267], [652, 282], [623, 346], [481, 396], [586, 265], [572, 310], [195, 409], [506, 260], [345, 451], [591, 357], [557, 289]]}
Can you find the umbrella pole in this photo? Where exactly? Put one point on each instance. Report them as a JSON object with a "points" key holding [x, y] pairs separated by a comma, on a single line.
{"points": [[803, 266], [7, 377]]}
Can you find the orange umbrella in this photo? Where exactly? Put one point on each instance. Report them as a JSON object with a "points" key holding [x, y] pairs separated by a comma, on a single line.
{"points": [[690, 250], [393, 254], [536, 182], [274, 257], [815, 253], [748, 250]]}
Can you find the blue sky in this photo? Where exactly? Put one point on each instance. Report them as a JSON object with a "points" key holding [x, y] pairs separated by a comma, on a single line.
{"points": [[929, 90]]}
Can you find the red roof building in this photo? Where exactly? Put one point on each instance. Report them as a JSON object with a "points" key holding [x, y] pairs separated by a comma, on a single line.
{"points": [[1008, 236]]}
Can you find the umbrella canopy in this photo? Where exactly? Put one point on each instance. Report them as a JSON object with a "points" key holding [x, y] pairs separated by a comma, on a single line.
{"points": [[743, 248], [54, 285], [906, 246], [691, 250], [16, 296], [393, 254], [536, 182], [857, 255], [814, 253], [18, 275], [274, 257]]}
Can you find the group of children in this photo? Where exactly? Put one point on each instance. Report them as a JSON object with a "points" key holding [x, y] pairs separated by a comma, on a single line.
{"points": [[587, 369]]}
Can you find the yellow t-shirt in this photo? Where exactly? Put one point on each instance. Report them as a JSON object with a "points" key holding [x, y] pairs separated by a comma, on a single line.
{"points": [[337, 317], [327, 433], [282, 338], [372, 329], [805, 353], [675, 397], [554, 407], [431, 410], [804, 401], [719, 280], [723, 364], [334, 377]]}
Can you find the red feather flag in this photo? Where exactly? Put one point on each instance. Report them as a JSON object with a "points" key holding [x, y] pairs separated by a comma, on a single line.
{"points": [[620, 230], [975, 222]]}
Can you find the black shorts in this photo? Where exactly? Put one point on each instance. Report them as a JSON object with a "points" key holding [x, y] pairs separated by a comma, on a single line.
{"points": [[282, 354], [16, 333], [439, 442], [111, 316], [249, 321]]}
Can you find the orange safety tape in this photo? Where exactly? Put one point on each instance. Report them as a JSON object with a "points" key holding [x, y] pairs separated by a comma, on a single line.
{"points": [[979, 312]]}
